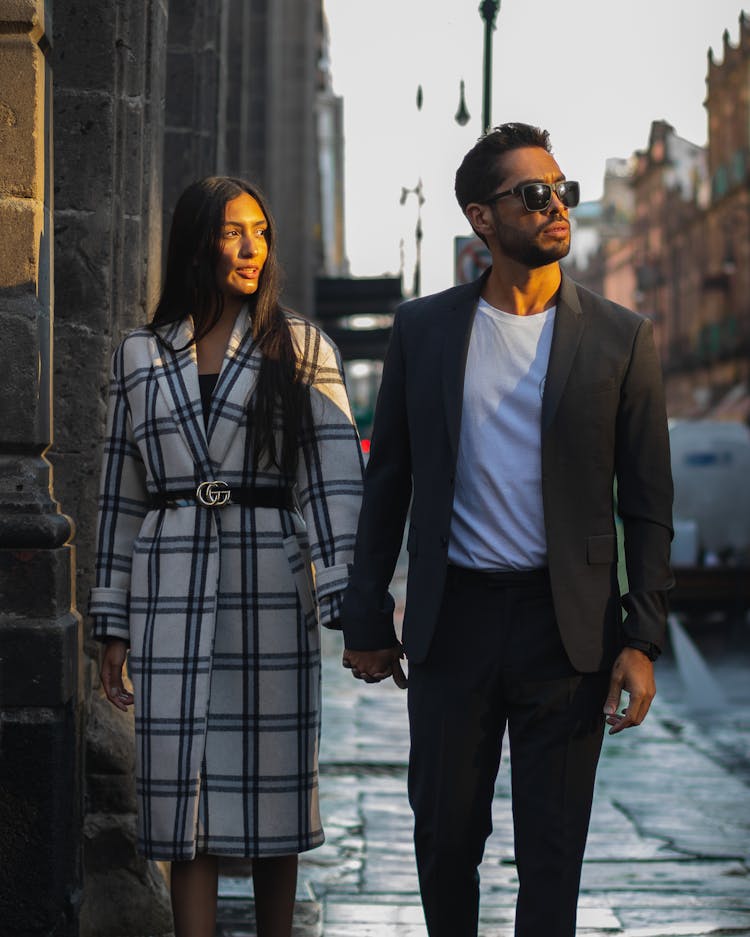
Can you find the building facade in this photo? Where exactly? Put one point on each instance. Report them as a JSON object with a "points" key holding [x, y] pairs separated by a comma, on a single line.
{"points": [[680, 252]]}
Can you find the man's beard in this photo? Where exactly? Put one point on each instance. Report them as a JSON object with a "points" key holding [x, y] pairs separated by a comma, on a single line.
{"points": [[524, 249]]}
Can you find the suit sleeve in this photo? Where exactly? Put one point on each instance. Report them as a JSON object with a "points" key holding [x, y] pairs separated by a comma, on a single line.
{"points": [[368, 607], [329, 482], [123, 503], [644, 493]]}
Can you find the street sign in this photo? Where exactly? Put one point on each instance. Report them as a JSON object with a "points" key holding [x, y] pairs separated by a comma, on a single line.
{"points": [[471, 258]]}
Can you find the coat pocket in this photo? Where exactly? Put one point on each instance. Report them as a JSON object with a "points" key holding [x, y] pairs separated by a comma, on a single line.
{"points": [[601, 548], [298, 556]]}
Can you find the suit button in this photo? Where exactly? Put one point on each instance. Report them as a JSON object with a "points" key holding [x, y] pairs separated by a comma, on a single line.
{"points": [[452, 480], [443, 541]]}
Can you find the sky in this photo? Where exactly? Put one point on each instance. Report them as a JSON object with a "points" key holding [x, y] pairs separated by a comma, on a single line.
{"points": [[595, 73]]}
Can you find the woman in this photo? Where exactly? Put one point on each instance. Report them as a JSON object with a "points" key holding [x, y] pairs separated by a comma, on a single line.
{"points": [[229, 496]]}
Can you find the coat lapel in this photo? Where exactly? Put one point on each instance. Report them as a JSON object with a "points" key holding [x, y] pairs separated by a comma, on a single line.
{"points": [[177, 376], [456, 337], [565, 339], [237, 380]]}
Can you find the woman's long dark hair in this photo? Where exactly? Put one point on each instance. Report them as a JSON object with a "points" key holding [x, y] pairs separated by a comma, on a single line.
{"points": [[190, 288]]}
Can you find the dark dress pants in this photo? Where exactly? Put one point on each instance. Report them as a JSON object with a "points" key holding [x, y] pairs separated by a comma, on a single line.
{"points": [[497, 660]]}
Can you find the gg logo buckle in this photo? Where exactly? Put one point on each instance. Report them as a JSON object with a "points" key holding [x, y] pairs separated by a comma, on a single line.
{"points": [[212, 494]]}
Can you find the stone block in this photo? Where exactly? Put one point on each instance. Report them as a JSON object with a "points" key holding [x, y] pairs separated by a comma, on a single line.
{"points": [[84, 45], [39, 817], [110, 741], [24, 399], [182, 18], [108, 841], [81, 504], [27, 12], [135, 892], [112, 793], [83, 255], [178, 156], [132, 157], [84, 151], [38, 658], [19, 253], [81, 382], [132, 47], [208, 97], [181, 84], [22, 117]]}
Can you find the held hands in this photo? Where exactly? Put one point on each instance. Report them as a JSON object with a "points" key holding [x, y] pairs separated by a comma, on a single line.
{"points": [[113, 661], [633, 672], [374, 666]]}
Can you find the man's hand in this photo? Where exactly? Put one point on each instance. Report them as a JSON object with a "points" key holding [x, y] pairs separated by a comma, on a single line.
{"points": [[113, 661], [634, 672], [374, 666]]}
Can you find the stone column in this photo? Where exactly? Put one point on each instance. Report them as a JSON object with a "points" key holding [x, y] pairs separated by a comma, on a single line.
{"points": [[109, 74], [40, 700]]}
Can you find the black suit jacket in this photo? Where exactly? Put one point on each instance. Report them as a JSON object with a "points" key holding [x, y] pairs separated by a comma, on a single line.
{"points": [[603, 418]]}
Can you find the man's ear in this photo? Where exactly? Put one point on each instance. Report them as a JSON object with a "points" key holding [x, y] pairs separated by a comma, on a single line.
{"points": [[480, 218]]}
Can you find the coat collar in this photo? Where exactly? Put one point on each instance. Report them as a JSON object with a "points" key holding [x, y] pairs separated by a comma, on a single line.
{"points": [[177, 376], [565, 338]]}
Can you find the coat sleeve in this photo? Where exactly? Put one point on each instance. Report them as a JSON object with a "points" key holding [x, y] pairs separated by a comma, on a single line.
{"points": [[123, 502], [644, 493], [368, 607], [329, 482]]}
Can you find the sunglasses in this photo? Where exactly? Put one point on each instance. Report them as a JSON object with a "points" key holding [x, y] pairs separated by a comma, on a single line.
{"points": [[536, 196]]}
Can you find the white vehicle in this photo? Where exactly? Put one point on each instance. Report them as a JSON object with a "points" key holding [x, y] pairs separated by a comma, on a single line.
{"points": [[711, 470]]}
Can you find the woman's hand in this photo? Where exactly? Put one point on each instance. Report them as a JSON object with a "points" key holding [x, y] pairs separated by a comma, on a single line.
{"points": [[113, 661]]}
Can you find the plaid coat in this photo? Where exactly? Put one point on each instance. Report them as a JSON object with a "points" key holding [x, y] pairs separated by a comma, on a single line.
{"points": [[221, 606]]}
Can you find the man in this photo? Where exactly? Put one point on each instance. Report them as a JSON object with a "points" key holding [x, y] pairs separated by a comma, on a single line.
{"points": [[508, 408]]}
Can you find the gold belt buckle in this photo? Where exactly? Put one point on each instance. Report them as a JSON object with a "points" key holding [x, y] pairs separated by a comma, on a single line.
{"points": [[213, 494]]}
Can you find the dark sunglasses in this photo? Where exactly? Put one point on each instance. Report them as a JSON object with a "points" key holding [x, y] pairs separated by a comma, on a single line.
{"points": [[536, 196]]}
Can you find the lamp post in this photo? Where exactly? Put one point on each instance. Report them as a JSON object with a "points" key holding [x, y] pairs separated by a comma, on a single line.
{"points": [[405, 193], [488, 10]]}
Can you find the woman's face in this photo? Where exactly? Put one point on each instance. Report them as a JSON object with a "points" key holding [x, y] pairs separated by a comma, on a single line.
{"points": [[243, 249]]}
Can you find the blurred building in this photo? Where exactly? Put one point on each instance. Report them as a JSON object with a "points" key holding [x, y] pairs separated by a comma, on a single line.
{"points": [[670, 238], [329, 110], [598, 227], [668, 184]]}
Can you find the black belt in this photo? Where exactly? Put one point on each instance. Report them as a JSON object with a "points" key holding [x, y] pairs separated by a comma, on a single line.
{"points": [[498, 579], [217, 494]]}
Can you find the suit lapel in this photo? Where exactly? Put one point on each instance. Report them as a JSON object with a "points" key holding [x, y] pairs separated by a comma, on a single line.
{"points": [[236, 383], [456, 337], [177, 376], [565, 339]]}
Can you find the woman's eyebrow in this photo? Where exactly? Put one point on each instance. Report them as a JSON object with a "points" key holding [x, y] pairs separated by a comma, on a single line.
{"points": [[241, 224]]}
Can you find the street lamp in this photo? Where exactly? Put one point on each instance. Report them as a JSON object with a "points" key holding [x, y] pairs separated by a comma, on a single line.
{"points": [[488, 10], [463, 116], [405, 193]]}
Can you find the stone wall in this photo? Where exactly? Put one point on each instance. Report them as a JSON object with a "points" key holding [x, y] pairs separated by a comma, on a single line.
{"points": [[109, 74], [40, 692], [211, 86]]}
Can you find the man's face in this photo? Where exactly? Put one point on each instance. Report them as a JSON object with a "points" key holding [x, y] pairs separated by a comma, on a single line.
{"points": [[536, 238]]}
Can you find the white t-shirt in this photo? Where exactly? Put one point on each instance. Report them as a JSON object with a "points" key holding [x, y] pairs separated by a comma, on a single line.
{"points": [[498, 518]]}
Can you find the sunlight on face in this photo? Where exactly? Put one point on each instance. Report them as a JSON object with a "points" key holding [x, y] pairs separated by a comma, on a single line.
{"points": [[243, 248]]}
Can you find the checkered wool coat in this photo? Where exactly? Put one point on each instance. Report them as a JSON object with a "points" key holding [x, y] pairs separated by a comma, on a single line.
{"points": [[221, 606]]}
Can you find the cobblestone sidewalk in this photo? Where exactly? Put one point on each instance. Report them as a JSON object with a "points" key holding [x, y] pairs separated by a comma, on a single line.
{"points": [[668, 853]]}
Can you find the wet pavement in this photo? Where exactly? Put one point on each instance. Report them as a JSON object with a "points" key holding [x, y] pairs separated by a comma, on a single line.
{"points": [[668, 853]]}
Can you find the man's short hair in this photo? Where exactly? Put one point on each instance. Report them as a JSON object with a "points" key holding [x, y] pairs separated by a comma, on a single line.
{"points": [[480, 174]]}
